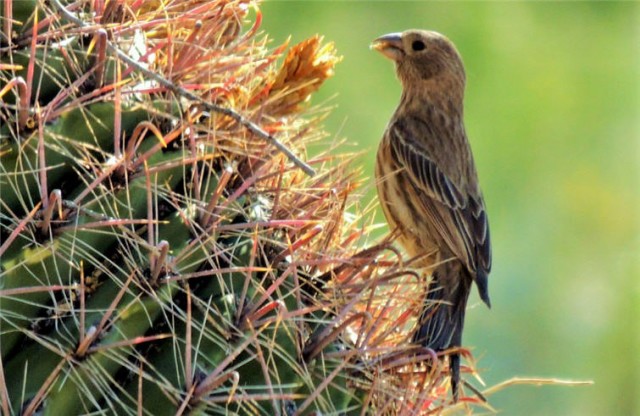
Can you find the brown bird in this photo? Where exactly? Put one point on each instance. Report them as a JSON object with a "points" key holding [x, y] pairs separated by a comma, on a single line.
{"points": [[428, 185]]}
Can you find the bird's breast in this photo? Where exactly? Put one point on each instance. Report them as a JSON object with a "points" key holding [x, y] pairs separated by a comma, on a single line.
{"points": [[402, 208]]}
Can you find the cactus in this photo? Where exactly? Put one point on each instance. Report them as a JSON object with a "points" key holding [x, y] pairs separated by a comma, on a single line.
{"points": [[162, 251]]}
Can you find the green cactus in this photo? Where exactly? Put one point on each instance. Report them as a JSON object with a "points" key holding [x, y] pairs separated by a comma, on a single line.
{"points": [[159, 254]]}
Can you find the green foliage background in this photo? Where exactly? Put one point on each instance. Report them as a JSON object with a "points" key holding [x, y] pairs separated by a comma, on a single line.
{"points": [[552, 110]]}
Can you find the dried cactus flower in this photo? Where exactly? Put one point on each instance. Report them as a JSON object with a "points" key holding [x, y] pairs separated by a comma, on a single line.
{"points": [[307, 65]]}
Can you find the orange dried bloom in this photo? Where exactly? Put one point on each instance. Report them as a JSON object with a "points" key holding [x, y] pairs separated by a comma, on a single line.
{"points": [[307, 65]]}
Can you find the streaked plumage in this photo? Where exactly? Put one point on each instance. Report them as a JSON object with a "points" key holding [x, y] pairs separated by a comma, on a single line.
{"points": [[428, 186]]}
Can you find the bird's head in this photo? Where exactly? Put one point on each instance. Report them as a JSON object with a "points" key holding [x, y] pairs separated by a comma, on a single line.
{"points": [[423, 57]]}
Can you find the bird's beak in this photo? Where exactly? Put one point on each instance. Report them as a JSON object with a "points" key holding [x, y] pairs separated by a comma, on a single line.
{"points": [[389, 45]]}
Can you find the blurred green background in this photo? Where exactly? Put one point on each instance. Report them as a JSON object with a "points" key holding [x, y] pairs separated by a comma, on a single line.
{"points": [[553, 114]]}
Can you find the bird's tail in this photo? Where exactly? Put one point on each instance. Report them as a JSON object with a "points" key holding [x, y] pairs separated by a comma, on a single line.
{"points": [[442, 319]]}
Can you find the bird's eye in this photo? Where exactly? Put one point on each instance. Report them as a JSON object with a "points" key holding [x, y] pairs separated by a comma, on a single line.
{"points": [[417, 45]]}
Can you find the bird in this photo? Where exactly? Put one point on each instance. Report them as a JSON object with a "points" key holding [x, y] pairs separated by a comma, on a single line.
{"points": [[428, 186]]}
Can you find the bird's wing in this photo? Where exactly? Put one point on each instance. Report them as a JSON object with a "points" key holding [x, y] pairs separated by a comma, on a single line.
{"points": [[459, 218]]}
